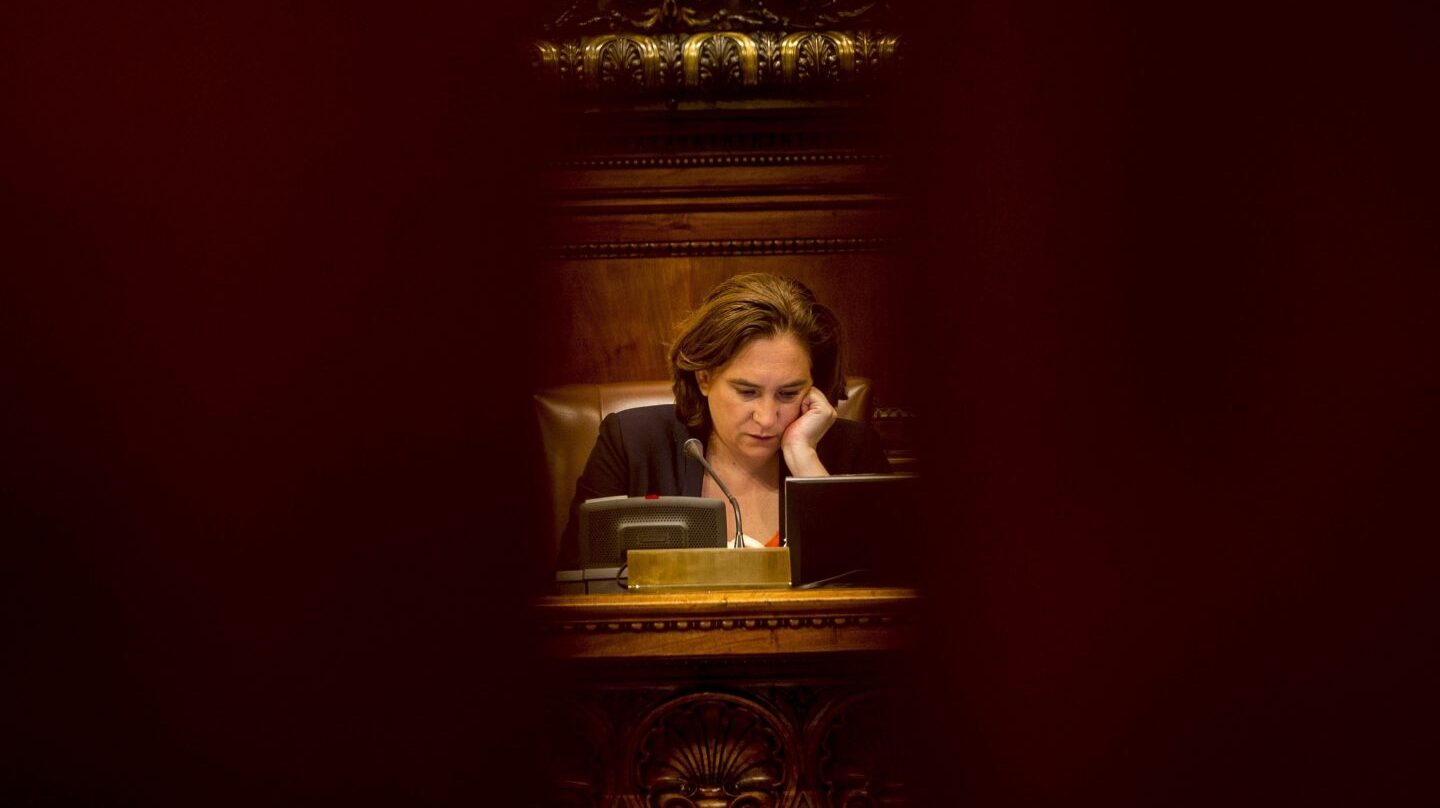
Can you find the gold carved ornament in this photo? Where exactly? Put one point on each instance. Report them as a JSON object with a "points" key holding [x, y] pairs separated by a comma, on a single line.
{"points": [[728, 61]]}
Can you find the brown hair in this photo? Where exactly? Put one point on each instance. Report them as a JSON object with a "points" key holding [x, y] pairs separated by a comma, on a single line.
{"points": [[744, 308]]}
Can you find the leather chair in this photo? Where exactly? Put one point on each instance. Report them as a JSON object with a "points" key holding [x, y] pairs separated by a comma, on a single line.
{"points": [[569, 418]]}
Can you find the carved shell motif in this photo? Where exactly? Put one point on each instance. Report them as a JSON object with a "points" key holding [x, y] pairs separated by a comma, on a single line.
{"points": [[620, 64], [860, 765], [817, 58], [712, 751], [720, 61]]}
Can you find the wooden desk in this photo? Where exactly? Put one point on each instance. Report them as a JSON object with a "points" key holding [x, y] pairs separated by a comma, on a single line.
{"points": [[766, 698]]}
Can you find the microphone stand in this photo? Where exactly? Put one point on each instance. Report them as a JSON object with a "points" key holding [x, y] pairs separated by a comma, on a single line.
{"points": [[694, 449]]}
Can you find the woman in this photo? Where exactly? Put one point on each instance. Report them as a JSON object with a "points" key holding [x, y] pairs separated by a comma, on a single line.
{"points": [[756, 368]]}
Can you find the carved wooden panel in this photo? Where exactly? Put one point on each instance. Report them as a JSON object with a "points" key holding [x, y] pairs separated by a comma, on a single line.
{"points": [[591, 16], [762, 743], [859, 757], [719, 62], [712, 748], [741, 698]]}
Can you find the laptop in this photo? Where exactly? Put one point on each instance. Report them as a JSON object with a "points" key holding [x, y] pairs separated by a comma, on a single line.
{"points": [[852, 529]]}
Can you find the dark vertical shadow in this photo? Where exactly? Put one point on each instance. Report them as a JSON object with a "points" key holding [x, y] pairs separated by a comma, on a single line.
{"points": [[261, 455], [1169, 271]]}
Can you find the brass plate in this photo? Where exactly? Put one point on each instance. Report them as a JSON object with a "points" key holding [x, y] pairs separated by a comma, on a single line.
{"points": [[710, 568]]}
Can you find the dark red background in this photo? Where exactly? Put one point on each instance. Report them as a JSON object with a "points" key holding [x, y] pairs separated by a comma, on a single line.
{"points": [[266, 301], [1183, 258]]}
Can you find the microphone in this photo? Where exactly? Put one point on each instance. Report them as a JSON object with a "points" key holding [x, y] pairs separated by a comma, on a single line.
{"points": [[693, 448]]}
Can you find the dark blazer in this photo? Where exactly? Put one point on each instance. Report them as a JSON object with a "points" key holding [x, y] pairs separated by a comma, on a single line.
{"points": [[641, 451]]}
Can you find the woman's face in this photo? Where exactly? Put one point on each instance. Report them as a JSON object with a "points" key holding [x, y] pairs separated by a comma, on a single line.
{"points": [[756, 395]]}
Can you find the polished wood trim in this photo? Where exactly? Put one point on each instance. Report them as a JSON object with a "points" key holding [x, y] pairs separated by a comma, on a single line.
{"points": [[727, 623], [724, 160], [772, 181], [747, 203], [662, 249]]}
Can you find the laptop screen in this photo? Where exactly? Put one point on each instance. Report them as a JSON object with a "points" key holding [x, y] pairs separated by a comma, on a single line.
{"points": [[855, 529]]}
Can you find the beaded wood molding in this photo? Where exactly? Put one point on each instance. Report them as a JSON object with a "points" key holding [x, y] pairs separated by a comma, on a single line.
{"points": [[719, 63], [733, 610], [676, 249], [671, 636], [722, 160], [835, 621]]}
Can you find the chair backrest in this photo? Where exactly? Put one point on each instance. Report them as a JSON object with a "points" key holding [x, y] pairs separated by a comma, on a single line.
{"points": [[569, 418]]}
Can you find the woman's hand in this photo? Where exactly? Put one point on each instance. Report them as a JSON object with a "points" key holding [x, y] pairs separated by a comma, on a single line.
{"points": [[804, 434]]}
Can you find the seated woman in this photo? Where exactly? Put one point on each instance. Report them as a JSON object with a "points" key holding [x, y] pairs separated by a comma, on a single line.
{"points": [[755, 370]]}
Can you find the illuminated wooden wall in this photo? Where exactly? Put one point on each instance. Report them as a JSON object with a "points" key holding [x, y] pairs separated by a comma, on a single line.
{"points": [[664, 183]]}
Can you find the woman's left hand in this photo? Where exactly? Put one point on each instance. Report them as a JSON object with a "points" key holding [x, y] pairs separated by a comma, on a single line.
{"points": [[805, 432]]}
